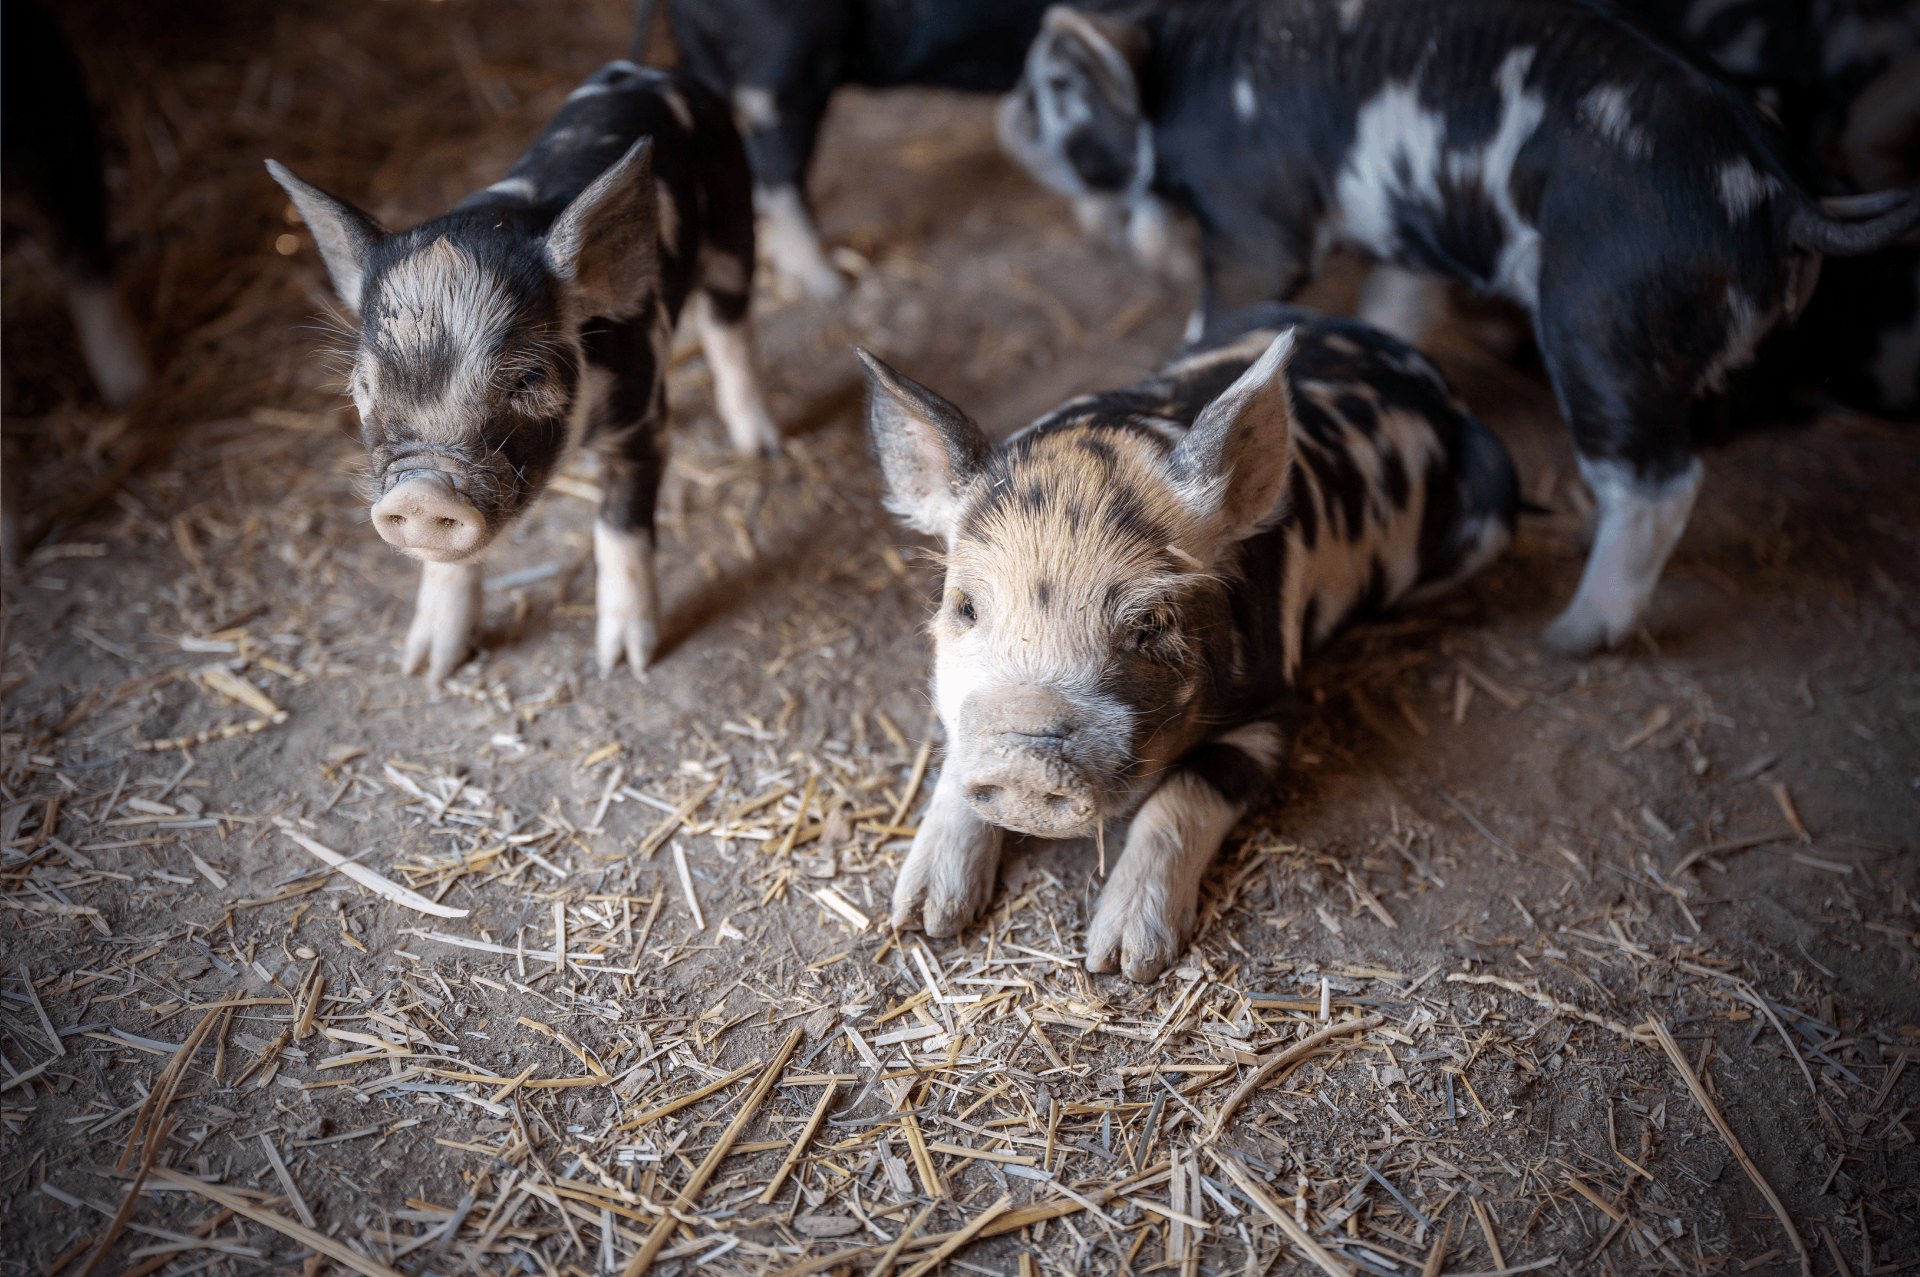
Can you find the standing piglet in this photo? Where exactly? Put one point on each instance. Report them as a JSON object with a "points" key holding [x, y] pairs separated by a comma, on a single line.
{"points": [[536, 315], [1134, 580], [1637, 205]]}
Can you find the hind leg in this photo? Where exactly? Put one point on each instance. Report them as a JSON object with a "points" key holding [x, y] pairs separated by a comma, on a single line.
{"points": [[737, 394], [1642, 514]]}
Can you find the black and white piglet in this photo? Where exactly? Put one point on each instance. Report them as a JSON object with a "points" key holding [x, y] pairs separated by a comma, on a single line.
{"points": [[779, 62], [539, 314], [1134, 580], [1636, 204]]}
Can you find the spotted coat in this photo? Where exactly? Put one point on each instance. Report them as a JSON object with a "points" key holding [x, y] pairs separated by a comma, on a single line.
{"points": [[1134, 580]]}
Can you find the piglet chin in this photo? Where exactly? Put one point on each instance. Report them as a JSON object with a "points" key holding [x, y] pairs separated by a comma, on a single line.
{"points": [[428, 519]]}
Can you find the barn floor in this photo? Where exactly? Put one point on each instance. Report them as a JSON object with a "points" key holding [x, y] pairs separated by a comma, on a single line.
{"points": [[1516, 861]]}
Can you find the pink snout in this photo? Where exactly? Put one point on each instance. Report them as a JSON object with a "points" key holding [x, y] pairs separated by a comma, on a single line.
{"points": [[1022, 777], [428, 517]]}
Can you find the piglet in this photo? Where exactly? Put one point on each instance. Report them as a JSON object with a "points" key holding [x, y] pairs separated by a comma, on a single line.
{"points": [[536, 315], [1134, 580]]}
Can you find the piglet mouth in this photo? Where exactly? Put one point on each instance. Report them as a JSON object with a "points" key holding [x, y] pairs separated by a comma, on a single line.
{"points": [[425, 515]]}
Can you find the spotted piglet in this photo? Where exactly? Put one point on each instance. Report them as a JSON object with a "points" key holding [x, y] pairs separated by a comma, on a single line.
{"points": [[538, 315], [1134, 580]]}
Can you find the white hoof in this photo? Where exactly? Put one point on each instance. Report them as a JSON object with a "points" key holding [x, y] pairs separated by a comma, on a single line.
{"points": [[446, 615], [626, 600], [948, 879]]}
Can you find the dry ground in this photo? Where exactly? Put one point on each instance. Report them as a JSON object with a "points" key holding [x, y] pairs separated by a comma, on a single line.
{"points": [[1515, 860]]}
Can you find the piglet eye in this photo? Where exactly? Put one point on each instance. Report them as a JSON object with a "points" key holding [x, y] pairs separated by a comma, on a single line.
{"points": [[530, 381], [963, 608]]}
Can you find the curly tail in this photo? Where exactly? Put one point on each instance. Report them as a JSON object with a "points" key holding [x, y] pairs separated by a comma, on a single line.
{"points": [[1854, 224]]}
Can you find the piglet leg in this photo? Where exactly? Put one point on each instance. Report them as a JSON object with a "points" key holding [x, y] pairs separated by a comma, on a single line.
{"points": [[627, 599], [737, 394], [1145, 916], [445, 616], [949, 875]]}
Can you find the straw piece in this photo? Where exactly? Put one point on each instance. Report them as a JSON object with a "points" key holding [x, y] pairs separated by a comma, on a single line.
{"points": [[686, 885], [1295, 1234], [800, 1144], [657, 1236], [1273, 1065], [922, 1160], [1439, 1252], [373, 881], [664, 830], [693, 1097], [1486, 1230], [1547, 1000], [337, 1251], [33, 995], [957, 1240], [1707, 1105], [899, 1244], [286, 1181]]}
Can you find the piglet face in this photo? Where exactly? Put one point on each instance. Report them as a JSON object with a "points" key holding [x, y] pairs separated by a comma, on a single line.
{"points": [[1062, 649], [1084, 612], [468, 368], [466, 376], [1074, 119]]}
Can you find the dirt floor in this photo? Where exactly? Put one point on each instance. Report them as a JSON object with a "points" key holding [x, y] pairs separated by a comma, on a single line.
{"points": [[1517, 862]]}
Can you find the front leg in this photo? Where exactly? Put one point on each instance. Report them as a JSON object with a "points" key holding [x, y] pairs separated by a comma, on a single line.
{"points": [[627, 592], [1145, 916], [949, 875], [446, 613]]}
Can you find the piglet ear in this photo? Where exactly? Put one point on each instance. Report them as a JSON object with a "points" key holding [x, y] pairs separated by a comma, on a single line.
{"points": [[606, 242], [1232, 467], [345, 234], [928, 449]]}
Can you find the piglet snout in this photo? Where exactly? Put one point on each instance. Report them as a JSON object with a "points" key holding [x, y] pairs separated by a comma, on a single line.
{"points": [[1023, 777], [427, 516]]}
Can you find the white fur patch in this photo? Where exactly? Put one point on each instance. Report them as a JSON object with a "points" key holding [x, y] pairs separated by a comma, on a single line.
{"points": [[113, 353], [682, 113], [669, 216], [1606, 109], [1746, 324], [626, 599], [1639, 525], [1395, 156], [1245, 105], [1350, 11], [1520, 112], [518, 188], [792, 242], [755, 108], [1744, 188], [737, 396]]}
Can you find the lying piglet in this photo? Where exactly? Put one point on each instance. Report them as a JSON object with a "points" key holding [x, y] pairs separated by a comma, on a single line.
{"points": [[1134, 580], [537, 314]]}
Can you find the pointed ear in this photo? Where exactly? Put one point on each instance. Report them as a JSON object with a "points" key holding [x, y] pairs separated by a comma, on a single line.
{"points": [[345, 234], [606, 243], [1232, 467], [928, 449], [1112, 49]]}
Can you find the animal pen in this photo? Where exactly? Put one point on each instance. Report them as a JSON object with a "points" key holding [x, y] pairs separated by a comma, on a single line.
{"points": [[1526, 964]]}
